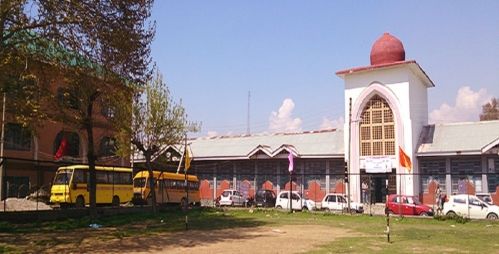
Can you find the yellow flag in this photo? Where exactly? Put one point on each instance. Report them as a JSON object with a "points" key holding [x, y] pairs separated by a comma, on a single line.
{"points": [[187, 159]]}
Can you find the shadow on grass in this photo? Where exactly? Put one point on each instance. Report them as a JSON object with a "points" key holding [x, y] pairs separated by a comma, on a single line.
{"points": [[142, 232]]}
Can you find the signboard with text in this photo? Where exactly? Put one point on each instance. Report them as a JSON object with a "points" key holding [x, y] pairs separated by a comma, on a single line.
{"points": [[378, 165]]}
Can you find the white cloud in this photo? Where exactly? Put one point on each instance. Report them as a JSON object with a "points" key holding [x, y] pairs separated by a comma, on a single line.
{"points": [[468, 106], [282, 120], [337, 123]]}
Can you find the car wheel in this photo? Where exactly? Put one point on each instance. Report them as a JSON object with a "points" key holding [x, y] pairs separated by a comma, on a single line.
{"points": [[279, 207], [492, 216], [451, 214], [327, 209], [424, 214], [80, 202]]}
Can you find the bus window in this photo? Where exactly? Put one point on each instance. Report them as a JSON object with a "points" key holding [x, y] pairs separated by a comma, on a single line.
{"points": [[139, 182], [125, 178], [101, 177], [63, 177], [79, 176]]}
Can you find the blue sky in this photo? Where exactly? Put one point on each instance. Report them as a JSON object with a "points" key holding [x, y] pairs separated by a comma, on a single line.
{"points": [[286, 53]]}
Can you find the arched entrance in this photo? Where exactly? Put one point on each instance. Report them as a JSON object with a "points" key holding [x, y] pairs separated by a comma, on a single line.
{"points": [[377, 141]]}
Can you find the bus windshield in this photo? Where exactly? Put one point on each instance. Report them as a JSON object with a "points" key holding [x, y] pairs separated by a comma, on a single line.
{"points": [[139, 182], [63, 177]]}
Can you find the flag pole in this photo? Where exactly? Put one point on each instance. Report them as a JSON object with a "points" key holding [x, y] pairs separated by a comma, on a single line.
{"points": [[186, 183]]}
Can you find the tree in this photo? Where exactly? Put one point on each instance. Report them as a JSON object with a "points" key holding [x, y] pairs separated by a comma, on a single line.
{"points": [[490, 111], [100, 48], [157, 121]]}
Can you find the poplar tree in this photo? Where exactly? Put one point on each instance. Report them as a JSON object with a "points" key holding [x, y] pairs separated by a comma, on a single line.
{"points": [[490, 111]]}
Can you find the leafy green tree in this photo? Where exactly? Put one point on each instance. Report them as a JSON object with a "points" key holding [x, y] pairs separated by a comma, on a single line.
{"points": [[156, 121], [490, 111], [100, 48]]}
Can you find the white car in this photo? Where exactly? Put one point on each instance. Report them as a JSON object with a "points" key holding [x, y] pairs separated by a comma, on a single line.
{"points": [[338, 202], [297, 202], [470, 206], [232, 198], [485, 197]]}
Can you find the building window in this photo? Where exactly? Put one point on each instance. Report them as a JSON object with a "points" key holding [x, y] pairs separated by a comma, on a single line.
{"points": [[73, 143], [107, 111], [107, 146], [466, 175], [377, 129], [432, 170], [17, 137]]}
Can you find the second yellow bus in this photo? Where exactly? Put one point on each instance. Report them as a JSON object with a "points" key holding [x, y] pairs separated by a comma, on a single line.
{"points": [[170, 188]]}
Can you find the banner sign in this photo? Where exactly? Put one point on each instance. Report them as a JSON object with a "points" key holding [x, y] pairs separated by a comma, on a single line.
{"points": [[378, 165]]}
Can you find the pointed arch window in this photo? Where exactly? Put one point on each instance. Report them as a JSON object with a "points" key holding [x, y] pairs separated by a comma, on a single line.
{"points": [[377, 128]]}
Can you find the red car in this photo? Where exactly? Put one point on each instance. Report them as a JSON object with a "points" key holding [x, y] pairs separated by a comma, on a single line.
{"points": [[407, 205]]}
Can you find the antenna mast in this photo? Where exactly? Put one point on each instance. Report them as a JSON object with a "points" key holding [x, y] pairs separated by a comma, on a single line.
{"points": [[248, 132]]}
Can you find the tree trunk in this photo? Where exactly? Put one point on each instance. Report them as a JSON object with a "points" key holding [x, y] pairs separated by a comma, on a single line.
{"points": [[151, 182], [91, 162]]}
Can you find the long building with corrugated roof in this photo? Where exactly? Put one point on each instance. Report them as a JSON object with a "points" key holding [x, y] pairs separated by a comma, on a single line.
{"points": [[386, 146]]}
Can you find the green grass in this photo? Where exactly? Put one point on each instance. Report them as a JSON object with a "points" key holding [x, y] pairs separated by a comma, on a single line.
{"points": [[408, 235]]}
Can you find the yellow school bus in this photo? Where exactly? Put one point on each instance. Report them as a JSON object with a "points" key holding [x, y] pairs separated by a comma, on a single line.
{"points": [[114, 186], [170, 188]]}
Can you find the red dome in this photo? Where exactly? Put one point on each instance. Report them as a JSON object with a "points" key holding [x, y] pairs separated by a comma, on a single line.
{"points": [[387, 49]]}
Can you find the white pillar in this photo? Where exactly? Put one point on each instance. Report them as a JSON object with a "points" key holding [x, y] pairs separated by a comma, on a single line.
{"points": [[448, 179]]}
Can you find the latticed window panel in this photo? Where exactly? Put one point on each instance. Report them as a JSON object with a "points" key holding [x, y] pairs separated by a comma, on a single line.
{"points": [[365, 133], [377, 132], [365, 148], [378, 148], [377, 128], [389, 132]]}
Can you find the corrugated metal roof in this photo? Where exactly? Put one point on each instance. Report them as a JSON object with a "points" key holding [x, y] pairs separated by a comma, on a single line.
{"points": [[435, 140], [306, 144], [458, 138]]}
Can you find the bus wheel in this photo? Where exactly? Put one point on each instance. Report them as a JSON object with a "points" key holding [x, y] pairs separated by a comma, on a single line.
{"points": [[116, 201], [80, 202]]}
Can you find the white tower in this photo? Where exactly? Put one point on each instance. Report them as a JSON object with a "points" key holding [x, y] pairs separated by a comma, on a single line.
{"points": [[389, 110]]}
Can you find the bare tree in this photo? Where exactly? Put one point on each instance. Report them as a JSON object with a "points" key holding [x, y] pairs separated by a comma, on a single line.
{"points": [[490, 111], [157, 121]]}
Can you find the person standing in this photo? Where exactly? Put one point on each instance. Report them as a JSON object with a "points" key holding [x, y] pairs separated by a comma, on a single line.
{"points": [[438, 200], [364, 191]]}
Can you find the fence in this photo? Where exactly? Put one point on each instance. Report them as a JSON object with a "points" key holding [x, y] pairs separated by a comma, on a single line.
{"points": [[26, 183], [32, 179]]}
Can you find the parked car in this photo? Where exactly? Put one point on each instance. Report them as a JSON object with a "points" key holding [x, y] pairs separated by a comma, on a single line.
{"points": [[338, 202], [470, 206], [232, 198], [297, 202], [265, 198], [485, 197], [407, 205]]}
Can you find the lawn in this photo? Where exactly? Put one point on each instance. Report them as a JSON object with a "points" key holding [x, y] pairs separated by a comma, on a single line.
{"points": [[363, 234]]}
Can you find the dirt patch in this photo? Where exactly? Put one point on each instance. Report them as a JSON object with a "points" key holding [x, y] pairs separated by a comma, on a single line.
{"points": [[22, 204], [283, 239], [264, 239]]}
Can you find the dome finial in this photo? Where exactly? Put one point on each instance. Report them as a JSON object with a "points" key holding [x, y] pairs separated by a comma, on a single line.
{"points": [[387, 49]]}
